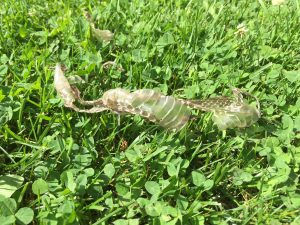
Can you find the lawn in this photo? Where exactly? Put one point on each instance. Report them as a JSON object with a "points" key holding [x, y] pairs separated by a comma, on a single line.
{"points": [[59, 166]]}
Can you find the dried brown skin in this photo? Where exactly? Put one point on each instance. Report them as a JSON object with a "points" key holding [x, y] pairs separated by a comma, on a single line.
{"points": [[167, 111]]}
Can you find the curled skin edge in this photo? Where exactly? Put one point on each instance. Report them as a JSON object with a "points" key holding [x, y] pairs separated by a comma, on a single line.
{"points": [[63, 87], [70, 94], [104, 35]]}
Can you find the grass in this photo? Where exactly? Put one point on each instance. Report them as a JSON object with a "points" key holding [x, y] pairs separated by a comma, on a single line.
{"points": [[63, 167]]}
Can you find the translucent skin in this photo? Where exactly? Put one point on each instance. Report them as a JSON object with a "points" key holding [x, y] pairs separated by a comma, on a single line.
{"points": [[227, 112], [172, 113], [167, 111], [152, 105], [246, 116]]}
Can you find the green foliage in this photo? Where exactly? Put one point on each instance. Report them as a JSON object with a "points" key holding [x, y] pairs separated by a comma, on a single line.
{"points": [[39, 187], [8, 214], [64, 167], [9, 184]]}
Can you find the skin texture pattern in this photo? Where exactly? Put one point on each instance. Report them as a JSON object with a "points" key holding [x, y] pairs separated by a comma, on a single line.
{"points": [[167, 111]]}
